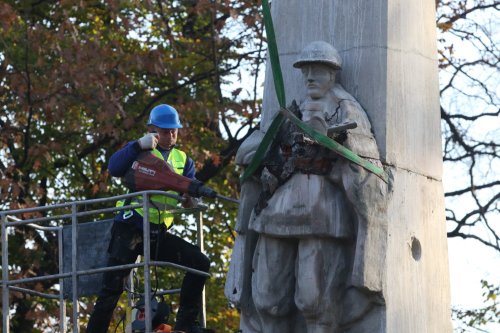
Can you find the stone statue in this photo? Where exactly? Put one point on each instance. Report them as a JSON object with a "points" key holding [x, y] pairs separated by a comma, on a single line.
{"points": [[312, 226]]}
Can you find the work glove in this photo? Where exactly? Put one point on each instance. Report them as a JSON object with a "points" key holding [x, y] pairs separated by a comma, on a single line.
{"points": [[148, 141]]}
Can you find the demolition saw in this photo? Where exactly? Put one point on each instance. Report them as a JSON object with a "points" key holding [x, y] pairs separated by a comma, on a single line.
{"points": [[151, 173]]}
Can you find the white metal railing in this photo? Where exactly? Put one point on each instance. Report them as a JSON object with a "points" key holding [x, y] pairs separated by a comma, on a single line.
{"points": [[9, 220]]}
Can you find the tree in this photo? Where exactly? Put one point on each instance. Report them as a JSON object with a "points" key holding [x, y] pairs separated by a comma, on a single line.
{"points": [[75, 80], [477, 318], [469, 61]]}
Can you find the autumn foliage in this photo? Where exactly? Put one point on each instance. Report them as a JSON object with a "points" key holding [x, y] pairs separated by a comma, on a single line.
{"points": [[77, 81]]}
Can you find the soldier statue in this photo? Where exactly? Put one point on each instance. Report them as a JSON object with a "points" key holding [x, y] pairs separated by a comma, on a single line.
{"points": [[313, 230]]}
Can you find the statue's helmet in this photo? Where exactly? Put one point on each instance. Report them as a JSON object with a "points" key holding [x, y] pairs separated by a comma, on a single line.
{"points": [[319, 52]]}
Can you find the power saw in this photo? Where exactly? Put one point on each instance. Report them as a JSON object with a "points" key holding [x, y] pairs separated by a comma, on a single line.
{"points": [[151, 173]]}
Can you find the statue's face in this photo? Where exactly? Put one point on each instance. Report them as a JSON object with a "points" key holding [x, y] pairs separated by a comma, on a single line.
{"points": [[318, 79]]}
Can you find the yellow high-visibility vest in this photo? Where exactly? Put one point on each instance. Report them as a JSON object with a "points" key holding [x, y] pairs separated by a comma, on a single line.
{"points": [[159, 204]]}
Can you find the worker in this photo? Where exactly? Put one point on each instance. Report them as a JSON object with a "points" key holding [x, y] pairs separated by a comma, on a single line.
{"points": [[127, 234]]}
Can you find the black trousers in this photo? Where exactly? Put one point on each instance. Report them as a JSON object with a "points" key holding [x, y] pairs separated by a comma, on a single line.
{"points": [[125, 245]]}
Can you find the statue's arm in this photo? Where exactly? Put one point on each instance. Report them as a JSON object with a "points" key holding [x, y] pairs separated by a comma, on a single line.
{"points": [[367, 195]]}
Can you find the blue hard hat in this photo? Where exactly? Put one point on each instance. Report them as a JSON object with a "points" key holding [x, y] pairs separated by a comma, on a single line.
{"points": [[164, 116]]}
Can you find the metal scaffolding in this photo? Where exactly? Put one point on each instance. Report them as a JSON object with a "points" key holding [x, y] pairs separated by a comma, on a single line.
{"points": [[57, 223]]}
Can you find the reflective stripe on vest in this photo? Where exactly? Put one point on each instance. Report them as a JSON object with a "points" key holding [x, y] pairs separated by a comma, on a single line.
{"points": [[158, 203]]}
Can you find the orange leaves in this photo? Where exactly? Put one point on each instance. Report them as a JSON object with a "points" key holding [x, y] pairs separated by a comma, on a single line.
{"points": [[216, 159], [7, 16], [154, 62], [250, 20], [40, 151], [128, 123], [9, 192], [37, 164], [95, 189], [64, 3], [445, 26], [201, 6], [4, 188], [234, 13]]}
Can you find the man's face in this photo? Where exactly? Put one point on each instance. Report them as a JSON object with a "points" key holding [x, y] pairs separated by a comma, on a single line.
{"points": [[167, 137], [318, 79]]}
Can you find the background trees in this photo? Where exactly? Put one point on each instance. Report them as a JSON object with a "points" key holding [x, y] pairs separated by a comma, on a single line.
{"points": [[468, 33], [469, 61], [78, 78]]}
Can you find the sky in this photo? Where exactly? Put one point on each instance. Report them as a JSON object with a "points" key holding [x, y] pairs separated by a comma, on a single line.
{"points": [[470, 261], [469, 264]]}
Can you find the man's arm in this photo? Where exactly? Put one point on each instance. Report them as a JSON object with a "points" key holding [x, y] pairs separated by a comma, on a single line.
{"points": [[121, 160], [189, 170]]}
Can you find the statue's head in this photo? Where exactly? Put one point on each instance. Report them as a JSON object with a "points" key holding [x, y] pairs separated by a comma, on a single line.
{"points": [[319, 62], [319, 52]]}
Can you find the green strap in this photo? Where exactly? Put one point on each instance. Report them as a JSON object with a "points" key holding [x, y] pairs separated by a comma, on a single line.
{"points": [[335, 146], [280, 93], [262, 149], [279, 118], [279, 86]]}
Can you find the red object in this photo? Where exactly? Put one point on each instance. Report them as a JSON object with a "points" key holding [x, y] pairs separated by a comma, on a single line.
{"points": [[151, 173], [163, 328], [140, 315]]}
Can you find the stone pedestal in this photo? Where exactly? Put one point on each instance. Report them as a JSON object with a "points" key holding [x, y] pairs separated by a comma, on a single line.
{"points": [[389, 57]]}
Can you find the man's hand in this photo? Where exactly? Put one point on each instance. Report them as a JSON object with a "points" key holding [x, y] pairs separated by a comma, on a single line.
{"points": [[148, 141]]}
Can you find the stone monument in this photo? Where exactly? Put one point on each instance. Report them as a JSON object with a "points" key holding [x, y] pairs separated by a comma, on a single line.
{"points": [[323, 245]]}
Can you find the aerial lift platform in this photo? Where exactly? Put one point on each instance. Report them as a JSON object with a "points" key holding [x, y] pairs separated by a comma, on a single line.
{"points": [[87, 242]]}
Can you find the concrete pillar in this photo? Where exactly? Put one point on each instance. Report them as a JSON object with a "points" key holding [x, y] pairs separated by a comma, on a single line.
{"points": [[390, 67]]}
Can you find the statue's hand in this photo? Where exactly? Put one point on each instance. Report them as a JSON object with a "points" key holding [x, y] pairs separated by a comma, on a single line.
{"points": [[269, 181]]}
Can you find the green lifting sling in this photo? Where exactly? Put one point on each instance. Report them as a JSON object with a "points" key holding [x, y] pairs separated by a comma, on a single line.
{"points": [[285, 113]]}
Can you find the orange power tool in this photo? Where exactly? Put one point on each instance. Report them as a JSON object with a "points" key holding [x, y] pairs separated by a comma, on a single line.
{"points": [[151, 173]]}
